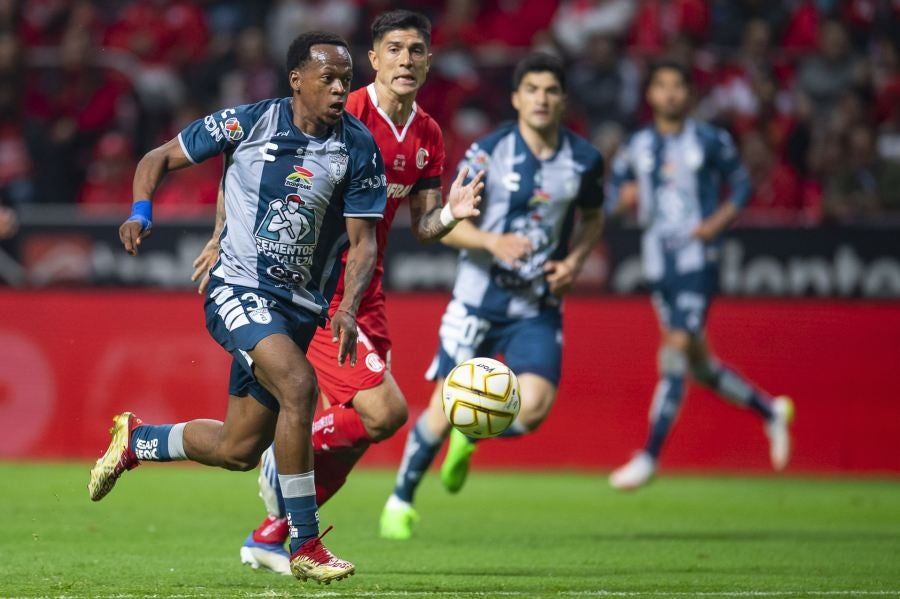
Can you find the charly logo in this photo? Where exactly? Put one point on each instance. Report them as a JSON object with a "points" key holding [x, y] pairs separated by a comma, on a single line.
{"points": [[421, 158], [337, 164], [258, 310], [301, 178], [233, 130]]}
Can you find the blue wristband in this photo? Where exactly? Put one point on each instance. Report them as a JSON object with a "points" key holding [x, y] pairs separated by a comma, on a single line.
{"points": [[142, 212]]}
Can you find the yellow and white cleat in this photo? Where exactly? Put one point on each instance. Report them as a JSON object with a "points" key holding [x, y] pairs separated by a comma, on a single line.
{"points": [[117, 459], [779, 433], [313, 561]]}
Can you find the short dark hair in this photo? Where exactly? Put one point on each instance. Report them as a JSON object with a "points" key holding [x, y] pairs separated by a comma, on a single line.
{"points": [[393, 20], [299, 52], [669, 65], [540, 62]]}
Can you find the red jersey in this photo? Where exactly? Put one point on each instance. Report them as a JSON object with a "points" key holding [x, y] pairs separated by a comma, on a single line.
{"points": [[413, 160]]}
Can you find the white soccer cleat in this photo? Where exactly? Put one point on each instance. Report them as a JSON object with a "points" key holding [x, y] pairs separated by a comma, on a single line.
{"points": [[266, 556], [268, 479], [636, 473], [779, 433]]}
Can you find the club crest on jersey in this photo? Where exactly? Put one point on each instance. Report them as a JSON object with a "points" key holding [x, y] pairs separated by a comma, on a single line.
{"points": [[421, 158], [259, 308], [288, 231], [301, 178], [337, 165], [232, 128]]}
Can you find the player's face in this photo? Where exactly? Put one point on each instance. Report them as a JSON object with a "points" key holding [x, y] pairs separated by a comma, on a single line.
{"points": [[322, 84], [401, 61], [668, 94], [540, 101]]}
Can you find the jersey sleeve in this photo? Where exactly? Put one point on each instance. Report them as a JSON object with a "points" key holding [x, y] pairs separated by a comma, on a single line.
{"points": [[590, 192], [622, 172], [434, 155], [728, 163], [221, 131], [366, 193]]}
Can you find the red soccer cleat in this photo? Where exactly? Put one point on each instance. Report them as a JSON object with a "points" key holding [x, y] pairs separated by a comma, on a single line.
{"points": [[314, 561]]}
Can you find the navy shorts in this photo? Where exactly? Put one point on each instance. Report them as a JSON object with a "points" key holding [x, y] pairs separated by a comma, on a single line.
{"points": [[529, 345], [240, 317], [682, 300]]}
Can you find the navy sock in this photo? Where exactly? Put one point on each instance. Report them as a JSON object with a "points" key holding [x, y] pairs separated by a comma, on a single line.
{"points": [[158, 442], [421, 448], [299, 491], [666, 403], [735, 388]]}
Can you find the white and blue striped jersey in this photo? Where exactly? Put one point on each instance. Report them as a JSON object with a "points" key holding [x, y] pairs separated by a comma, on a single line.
{"points": [[532, 197], [286, 197], [679, 180]]}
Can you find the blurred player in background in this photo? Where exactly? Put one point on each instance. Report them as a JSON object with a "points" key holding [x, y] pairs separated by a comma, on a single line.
{"points": [[516, 264], [673, 171], [364, 403], [270, 288]]}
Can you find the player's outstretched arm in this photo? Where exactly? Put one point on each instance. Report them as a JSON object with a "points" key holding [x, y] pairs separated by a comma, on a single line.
{"points": [[716, 223], [431, 221], [149, 173], [561, 274], [508, 248], [361, 257]]}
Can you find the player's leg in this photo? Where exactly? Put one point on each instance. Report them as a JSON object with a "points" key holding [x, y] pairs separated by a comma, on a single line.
{"points": [[727, 383], [532, 348], [422, 445]]}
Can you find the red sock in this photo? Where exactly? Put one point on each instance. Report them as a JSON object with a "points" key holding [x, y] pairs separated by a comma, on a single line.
{"points": [[338, 428], [332, 468]]}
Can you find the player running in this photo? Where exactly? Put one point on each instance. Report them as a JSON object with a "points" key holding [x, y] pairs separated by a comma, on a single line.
{"points": [[678, 165], [270, 289], [514, 267], [365, 403]]}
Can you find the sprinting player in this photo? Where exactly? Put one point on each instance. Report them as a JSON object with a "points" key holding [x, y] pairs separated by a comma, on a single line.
{"points": [[270, 289], [679, 166], [516, 264], [365, 403]]}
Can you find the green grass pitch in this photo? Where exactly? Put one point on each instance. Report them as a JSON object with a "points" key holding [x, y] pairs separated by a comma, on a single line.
{"points": [[174, 531]]}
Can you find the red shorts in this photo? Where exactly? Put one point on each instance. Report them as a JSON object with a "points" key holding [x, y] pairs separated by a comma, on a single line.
{"points": [[340, 384]]}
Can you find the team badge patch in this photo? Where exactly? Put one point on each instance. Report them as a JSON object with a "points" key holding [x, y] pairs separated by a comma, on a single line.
{"points": [[421, 158], [233, 130], [337, 165], [260, 315], [374, 363]]}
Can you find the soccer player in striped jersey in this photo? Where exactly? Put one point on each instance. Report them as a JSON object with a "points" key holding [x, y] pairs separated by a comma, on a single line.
{"points": [[270, 288], [673, 170], [515, 266]]}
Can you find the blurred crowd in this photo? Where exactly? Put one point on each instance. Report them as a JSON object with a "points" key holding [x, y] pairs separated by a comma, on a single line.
{"points": [[810, 89]]}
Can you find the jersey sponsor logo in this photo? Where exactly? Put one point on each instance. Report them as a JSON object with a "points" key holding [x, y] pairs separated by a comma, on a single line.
{"points": [[337, 165], [398, 190], [421, 158], [301, 178], [374, 182], [212, 127], [281, 134], [374, 363], [540, 197], [399, 162], [288, 233], [146, 449], [232, 128]]}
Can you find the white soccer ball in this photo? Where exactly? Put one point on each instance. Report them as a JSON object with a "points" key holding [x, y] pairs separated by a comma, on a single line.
{"points": [[481, 397]]}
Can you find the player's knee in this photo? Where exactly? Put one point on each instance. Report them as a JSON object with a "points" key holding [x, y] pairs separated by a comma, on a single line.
{"points": [[297, 390], [240, 458], [672, 361], [533, 414], [704, 371]]}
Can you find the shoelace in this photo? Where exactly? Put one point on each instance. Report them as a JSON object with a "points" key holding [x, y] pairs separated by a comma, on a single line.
{"points": [[318, 551]]}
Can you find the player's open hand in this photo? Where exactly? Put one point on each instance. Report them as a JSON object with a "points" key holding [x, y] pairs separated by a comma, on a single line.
{"points": [[464, 199], [131, 233], [510, 248], [560, 275], [705, 231], [203, 263], [343, 331]]}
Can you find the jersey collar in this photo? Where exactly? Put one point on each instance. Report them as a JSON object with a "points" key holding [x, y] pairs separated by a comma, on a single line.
{"points": [[400, 135]]}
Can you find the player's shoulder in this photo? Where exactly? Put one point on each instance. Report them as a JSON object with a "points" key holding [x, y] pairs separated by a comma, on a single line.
{"points": [[489, 142], [583, 151], [641, 136], [253, 112], [710, 134], [426, 123], [355, 130]]}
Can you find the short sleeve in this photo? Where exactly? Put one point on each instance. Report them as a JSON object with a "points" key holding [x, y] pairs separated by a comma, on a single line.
{"points": [[366, 193], [590, 192], [728, 163], [221, 131], [622, 172]]}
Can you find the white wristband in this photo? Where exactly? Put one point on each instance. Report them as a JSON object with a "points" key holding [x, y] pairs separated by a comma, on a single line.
{"points": [[447, 216]]}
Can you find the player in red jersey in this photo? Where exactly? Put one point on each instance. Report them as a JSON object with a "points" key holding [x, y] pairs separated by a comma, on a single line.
{"points": [[363, 404]]}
